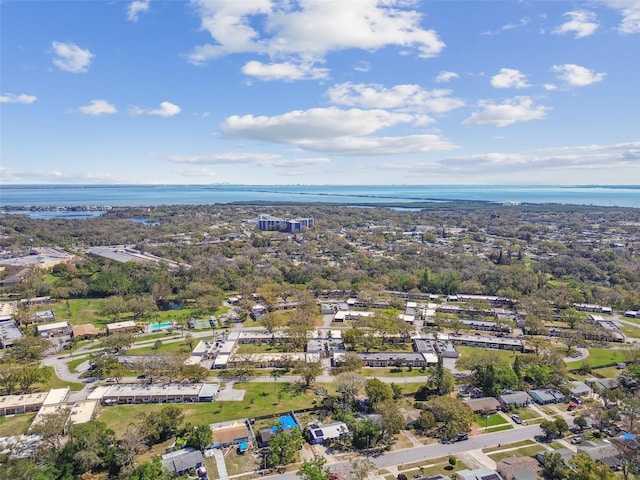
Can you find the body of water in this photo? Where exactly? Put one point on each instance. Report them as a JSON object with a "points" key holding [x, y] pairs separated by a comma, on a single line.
{"points": [[39, 196]]}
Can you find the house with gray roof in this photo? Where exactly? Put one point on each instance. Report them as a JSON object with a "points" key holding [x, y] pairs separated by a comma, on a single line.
{"points": [[546, 396], [514, 400], [182, 461]]}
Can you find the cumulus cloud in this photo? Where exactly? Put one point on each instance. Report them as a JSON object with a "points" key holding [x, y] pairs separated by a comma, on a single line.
{"points": [[167, 109], [309, 30], [136, 8], [509, 78], [409, 97], [298, 125], [71, 58], [98, 107], [22, 98], [630, 11], [576, 75], [581, 23], [336, 131], [515, 110], [371, 146], [287, 71], [445, 76]]}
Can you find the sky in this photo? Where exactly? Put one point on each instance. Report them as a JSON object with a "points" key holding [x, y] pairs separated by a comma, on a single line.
{"points": [[343, 92]]}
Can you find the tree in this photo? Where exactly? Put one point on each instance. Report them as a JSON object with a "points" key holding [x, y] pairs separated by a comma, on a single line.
{"points": [[270, 322], [160, 426], [314, 469], [351, 362], [549, 428], [30, 374], [153, 470], [377, 391], [349, 384], [397, 391], [199, 437], [51, 428], [392, 419], [91, 447], [452, 416], [132, 443], [366, 434], [361, 468], [283, 447], [193, 373], [308, 371], [580, 421], [561, 426], [587, 469], [118, 342], [27, 349], [554, 467]]}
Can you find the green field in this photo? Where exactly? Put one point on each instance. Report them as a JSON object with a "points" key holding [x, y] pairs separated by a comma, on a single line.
{"points": [[15, 425], [599, 357], [260, 399], [506, 356], [520, 452], [393, 372], [55, 382]]}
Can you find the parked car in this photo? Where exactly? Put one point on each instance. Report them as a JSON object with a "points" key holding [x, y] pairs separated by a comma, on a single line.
{"points": [[516, 419], [576, 440], [462, 437]]}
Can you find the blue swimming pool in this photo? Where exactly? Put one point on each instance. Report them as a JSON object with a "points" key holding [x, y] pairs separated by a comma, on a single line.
{"points": [[160, 326]]}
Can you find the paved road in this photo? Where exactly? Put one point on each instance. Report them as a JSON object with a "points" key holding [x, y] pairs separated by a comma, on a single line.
{"points": [[436, 450]]}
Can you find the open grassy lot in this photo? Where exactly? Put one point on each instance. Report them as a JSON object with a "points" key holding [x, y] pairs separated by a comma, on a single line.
{"points": [[73, 364], [491, 421], [15, 425], [430, 468], [599, 357], [260, 399], [55, 382], [78, 311], [507, 356], [165, 348], [629, 331], [529, 451], [523, 443]]}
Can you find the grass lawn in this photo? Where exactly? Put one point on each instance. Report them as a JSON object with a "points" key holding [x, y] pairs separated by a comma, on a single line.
{"points": [[629, 331], [73, 364], [390, 347], [523, 443], [526, 413], [78, 311], [243, 463], [56, 382], [520, 452], [492, 421], [15, 425], [599, 357], [259, 400], [173, 348], [431, 468], [505, 356]]}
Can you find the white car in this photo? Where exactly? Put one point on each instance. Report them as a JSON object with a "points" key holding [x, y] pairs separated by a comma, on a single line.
{"points": [[516, 419]]}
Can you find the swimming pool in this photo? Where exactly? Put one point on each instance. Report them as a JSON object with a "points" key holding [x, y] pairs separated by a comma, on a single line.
{"points": [[160, 326]]}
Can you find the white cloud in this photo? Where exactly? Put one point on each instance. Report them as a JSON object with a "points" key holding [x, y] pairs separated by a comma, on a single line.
{"points": [[630, 11], [17, 176], [523, 22], [561, 158], [509, 78], [310, 29], [362, 67], [445, 76], [287, 71], [98, 107], [515, 110], [581, 23], [372, 146], [256, 159], [22, 98], [71, 58], [299, 125], [167, 109], [136, 8], [550, 86], [576, 75], [408, 97], [336, 131]]}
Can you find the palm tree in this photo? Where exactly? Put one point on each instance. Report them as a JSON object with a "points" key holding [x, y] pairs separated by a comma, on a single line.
{"points": [[276, 374]]}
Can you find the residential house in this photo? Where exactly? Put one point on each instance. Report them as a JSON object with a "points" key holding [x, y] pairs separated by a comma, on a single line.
{"points": [[484, 405], [514, 400], [9, 333], [478, 474], [320, 434], [231, 433], [546, 396], [519, 468], [182, 461]]}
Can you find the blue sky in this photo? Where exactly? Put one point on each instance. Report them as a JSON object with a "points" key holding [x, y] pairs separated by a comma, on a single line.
{"points": [[320, 92]]}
